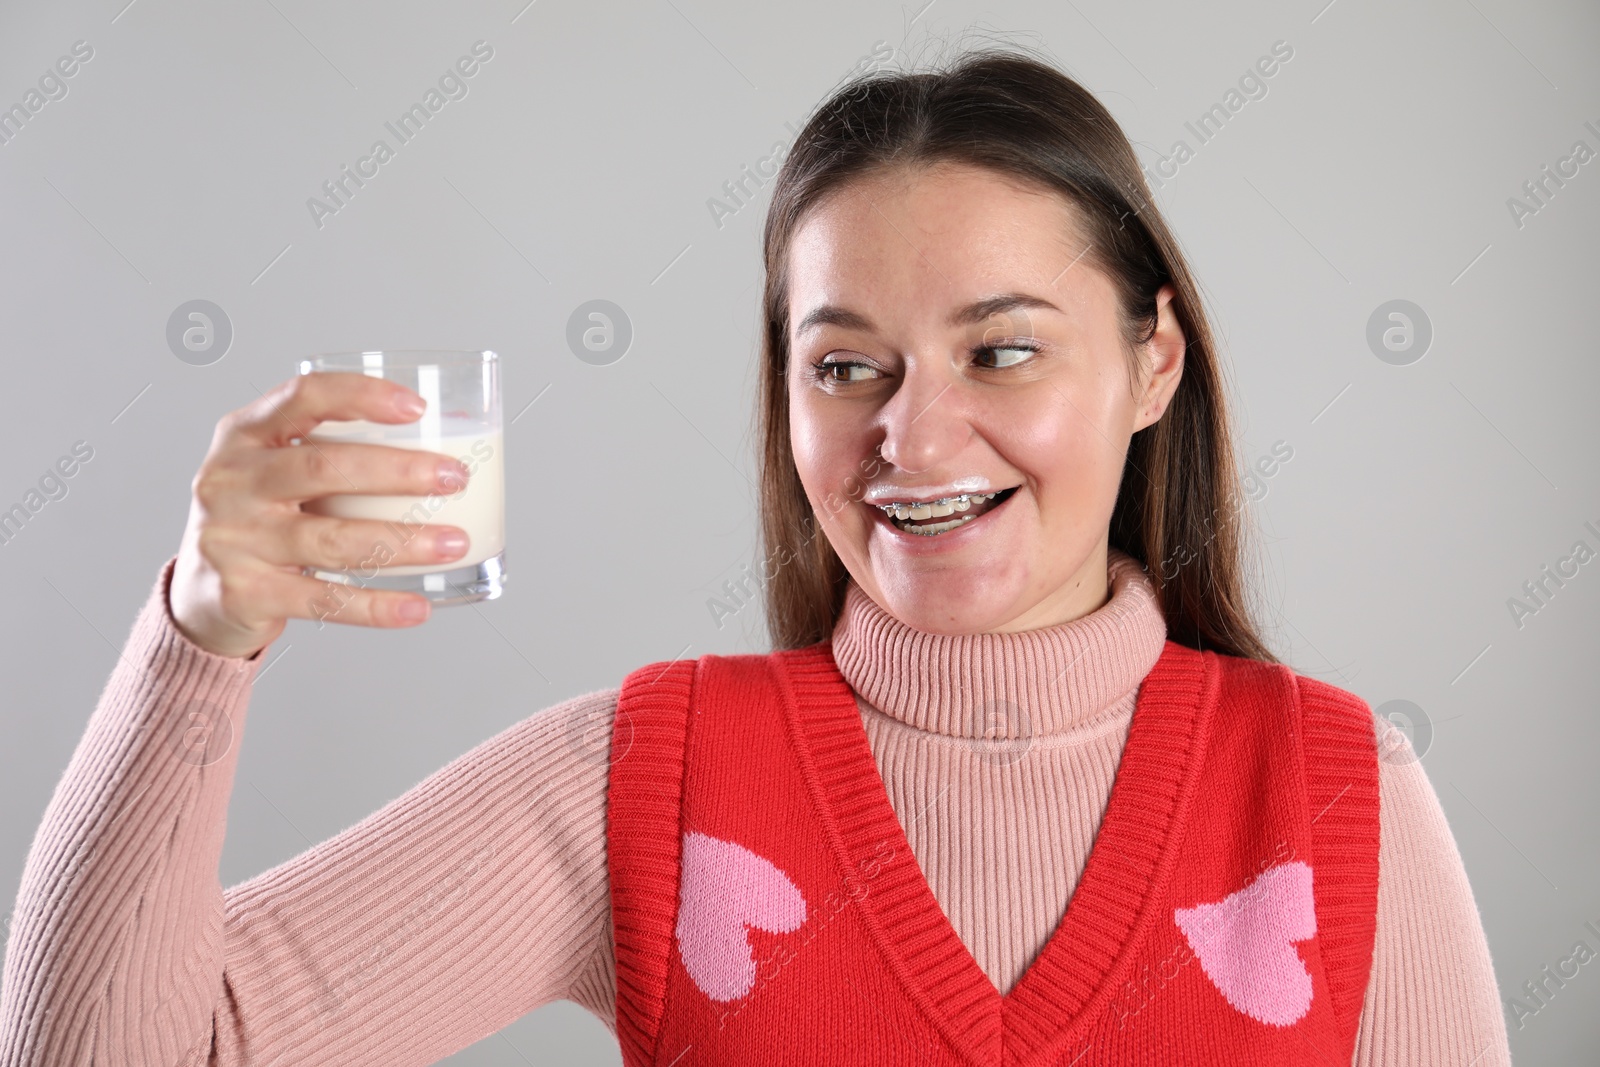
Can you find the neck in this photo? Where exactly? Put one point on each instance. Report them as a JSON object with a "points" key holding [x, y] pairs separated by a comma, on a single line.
{"points": [[1005, 684]]}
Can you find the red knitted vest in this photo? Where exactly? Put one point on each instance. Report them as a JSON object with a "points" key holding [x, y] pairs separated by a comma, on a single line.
{"points": [[767, 908]]}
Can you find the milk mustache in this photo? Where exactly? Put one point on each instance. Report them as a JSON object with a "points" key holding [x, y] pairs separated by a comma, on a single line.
{"points": [[479, 509]]}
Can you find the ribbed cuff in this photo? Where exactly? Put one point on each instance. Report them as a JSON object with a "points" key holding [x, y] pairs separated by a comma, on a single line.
{"points": [[156, 625]]}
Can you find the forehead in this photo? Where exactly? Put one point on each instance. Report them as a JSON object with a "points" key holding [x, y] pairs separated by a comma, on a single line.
{"points": [[927, 238]]}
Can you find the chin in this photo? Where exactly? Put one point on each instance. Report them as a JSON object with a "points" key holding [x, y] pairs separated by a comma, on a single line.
{"points": [[951, 601]]}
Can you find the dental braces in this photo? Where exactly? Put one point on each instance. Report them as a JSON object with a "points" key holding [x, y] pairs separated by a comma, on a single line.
{"points": [[890, 509]]}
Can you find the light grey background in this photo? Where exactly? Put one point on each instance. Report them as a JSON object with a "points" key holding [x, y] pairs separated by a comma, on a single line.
{"points": [[1378, 166]]}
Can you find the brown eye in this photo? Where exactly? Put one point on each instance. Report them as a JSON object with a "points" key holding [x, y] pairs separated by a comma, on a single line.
{"points": [[1012, 361], [831, 370]]}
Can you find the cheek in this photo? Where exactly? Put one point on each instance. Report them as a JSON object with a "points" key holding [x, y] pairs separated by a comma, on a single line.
{"points": [[825, 451], [808, 439], [1071, 444]]}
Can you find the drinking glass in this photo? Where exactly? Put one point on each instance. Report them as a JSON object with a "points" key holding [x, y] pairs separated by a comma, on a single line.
{"points": [[462, 420]]}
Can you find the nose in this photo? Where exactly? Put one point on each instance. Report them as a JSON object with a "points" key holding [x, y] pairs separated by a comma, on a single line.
{"points": [[925, 422]]}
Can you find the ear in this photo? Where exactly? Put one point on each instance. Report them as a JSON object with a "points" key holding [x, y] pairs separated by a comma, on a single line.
{"points": [[1163, 360]]}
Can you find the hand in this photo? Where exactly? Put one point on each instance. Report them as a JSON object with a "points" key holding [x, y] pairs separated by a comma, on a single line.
{"points": [[237, 580]]}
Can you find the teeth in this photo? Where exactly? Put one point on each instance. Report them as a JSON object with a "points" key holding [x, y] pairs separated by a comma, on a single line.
{"points": [[936, 528], [935, 509]]}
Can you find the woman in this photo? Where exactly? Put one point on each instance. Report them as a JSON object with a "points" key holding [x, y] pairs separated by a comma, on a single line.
{"points": [[1021, 784]]}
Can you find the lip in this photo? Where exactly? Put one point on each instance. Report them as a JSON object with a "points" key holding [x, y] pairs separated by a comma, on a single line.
{"points": [[889, 494], [945, 542]]}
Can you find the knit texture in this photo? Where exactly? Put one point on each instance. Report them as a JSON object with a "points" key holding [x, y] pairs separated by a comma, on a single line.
{"points": [[120, 882], [803, 924], [999, 752]]}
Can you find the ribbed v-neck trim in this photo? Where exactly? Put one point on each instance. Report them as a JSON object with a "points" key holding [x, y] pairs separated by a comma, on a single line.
{"points": [[1129, 866]]}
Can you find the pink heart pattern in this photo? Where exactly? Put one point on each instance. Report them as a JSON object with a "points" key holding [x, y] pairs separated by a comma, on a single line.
{"points": [[1245, 943], [724, 890]]}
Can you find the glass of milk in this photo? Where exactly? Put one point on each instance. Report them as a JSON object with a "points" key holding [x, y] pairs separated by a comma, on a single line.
{"points": [[462, 420]]}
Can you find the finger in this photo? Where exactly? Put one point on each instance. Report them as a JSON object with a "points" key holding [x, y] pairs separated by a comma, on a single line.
{"points": [[359, 546], [281, 594], [295, 407], [318, 468]]}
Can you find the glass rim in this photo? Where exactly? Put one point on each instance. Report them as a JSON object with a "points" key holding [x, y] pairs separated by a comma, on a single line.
{"points": [[403, 357]]}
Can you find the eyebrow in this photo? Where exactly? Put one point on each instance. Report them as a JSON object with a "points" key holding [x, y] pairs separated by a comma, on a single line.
{"points": [[967, 315]]}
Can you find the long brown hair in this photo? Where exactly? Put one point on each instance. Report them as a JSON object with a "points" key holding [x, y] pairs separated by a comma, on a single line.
{"points": [[1178, 506]]}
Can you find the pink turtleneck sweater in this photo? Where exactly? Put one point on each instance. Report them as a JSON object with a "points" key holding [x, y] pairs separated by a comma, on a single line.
{"points": [[482, 893]]}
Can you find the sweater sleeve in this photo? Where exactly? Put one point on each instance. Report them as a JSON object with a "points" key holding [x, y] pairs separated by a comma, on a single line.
{"points": [[473, 897], [1432, 998]]}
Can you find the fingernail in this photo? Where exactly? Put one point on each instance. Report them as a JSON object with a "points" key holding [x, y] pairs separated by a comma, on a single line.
{"points": [[451, 543], [409, 404], [413, 610], [452, 475]]}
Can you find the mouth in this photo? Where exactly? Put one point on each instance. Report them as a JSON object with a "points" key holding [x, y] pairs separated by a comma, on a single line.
{"points": [[942, 516]]}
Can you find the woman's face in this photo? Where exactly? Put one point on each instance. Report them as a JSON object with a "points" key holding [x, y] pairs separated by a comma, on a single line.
{"points": [[946, 338]]}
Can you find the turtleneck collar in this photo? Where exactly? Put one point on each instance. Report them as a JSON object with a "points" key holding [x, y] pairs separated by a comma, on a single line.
{"points": [[1010, 685]]}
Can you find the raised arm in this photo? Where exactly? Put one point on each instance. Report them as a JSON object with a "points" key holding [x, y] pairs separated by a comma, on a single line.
{"points": [[475, 896]]}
